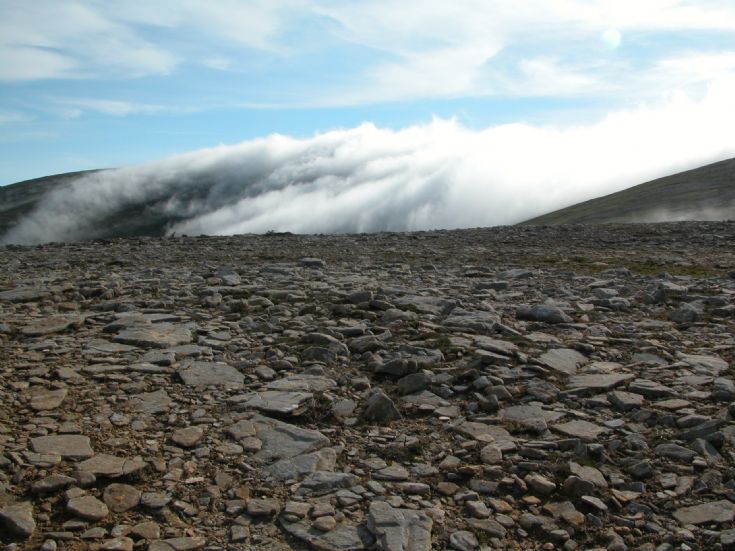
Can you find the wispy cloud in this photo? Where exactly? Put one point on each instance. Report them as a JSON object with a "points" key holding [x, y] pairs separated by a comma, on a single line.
{"points": [[74, 107], [10, 117], [409, 51], [539, 47], [46, 40]]}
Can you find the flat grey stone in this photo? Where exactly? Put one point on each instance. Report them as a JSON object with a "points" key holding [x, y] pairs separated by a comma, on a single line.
{"points": [[155, 335], [539, 484], [312, 262], [52, 483], [150, 402], [595, 502], [517, 273], [324, 482], [723, 389], [42, 459], [706, 365], [493, 528], [543, 312], [625, 401], [185, 543], [155, 500], [713, 512], [397, 367], [492, 434], [275, 401], [121, 497], [48, 399], [70, 446], [649, 389], [242, 429], [101, 346], [437, 306], [301, 465], [413, 382], [143, 367], [368, 343], [188, 436], [122, 543], [463, 540], [379, 408], [52, 324], [583, 430], [594, 383], [18, 519], [87, 507], [473, 321], [727, 537], [392, 315], [563, 360], [491, 454], [589, 474], [392, 473], [425, 398], [25, 294], [495, 345], [265, 507], [523, 418], [399, 529], [344, 537], [303, 382], [674, 451], [284, 441], [195, 373], [112, 466]]}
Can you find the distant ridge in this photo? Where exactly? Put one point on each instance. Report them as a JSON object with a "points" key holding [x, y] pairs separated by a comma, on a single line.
{"points": [[704, 193], [17, 200]]}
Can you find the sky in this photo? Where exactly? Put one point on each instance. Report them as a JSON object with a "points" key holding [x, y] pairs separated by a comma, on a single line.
{"points": [[647, 83]]}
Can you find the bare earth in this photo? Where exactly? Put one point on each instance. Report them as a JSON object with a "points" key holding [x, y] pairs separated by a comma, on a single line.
{"points": [[565, 387]]}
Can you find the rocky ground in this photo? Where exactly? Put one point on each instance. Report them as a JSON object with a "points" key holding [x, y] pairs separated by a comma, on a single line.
{"points": [[508, 388]]}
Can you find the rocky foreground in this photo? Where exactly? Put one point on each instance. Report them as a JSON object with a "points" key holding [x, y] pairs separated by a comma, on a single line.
{"points": [[509, 388]]}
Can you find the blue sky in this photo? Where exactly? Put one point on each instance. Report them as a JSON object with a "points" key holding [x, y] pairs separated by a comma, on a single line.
{"points": [[89, 84]]}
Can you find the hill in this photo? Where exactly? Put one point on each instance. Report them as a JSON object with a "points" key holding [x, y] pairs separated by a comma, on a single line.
{"points": [[133, 216], [704, 193], [17, 200]]}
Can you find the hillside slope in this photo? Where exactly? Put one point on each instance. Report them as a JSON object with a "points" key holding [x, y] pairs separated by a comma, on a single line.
{"points": [[17, 200], [132, 217], [704, 193]]}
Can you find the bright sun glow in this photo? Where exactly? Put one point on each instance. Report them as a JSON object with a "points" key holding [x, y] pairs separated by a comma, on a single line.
{"points": [[612, 38]]}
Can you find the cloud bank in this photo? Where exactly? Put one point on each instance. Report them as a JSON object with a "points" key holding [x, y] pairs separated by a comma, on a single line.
{"points": [[366, 179]]}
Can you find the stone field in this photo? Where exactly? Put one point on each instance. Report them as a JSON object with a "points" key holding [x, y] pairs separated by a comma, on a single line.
{"points": [[504, 388]]}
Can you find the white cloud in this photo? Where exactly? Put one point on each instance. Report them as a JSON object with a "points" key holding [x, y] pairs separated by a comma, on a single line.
{"points": [[77, 106], [252, 23], [11, 117], [45, 39], [19, 63], [218, 63], [439, 175], [697, 66]]}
